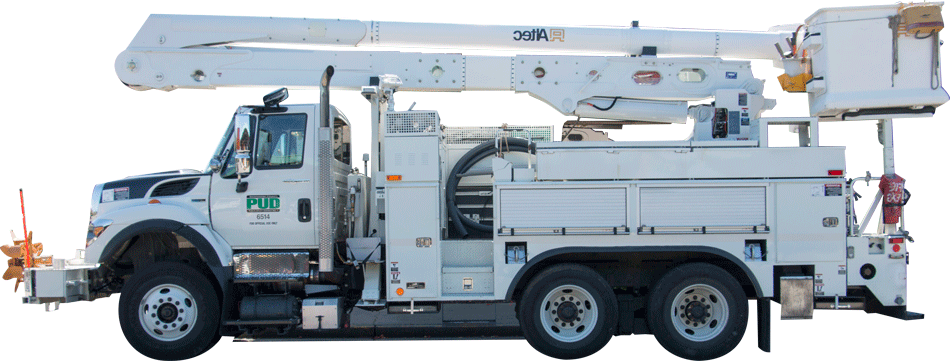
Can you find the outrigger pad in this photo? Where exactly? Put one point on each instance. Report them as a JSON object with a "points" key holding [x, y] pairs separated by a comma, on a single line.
{"points": [[901, 313]]}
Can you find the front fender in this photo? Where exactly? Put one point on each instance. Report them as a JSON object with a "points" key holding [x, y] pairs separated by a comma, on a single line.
{"points": [[123, 218], [212, 250]]}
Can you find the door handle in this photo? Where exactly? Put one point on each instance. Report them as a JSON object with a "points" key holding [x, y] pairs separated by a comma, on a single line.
{"points": [[304, 210]]}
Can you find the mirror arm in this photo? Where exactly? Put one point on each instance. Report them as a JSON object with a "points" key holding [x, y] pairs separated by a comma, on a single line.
{"points": [[241, 186]]}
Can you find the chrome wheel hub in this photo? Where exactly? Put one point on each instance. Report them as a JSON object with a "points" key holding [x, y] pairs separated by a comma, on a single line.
{"points": [[568, 313], [699, 312], [168, 312]]}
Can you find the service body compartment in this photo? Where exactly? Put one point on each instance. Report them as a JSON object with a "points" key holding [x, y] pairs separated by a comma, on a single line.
{"points": [[711, 208], [682, 160], [413, 240], [810, 221]]}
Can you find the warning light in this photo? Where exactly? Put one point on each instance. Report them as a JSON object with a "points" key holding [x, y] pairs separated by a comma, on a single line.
{"points": [[400, 291], [896, 240], [394, 178], [836, 172]]}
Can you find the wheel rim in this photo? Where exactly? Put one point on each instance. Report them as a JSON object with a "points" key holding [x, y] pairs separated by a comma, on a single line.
{"points": [[699, 312], [168, 312], [568, 313]]}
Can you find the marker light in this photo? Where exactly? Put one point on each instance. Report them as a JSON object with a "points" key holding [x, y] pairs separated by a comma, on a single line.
{"points": [[647, 77], [394, 178], [400, 291], [836, 172]]}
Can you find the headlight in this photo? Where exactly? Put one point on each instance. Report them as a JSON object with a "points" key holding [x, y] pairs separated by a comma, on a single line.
{"points": [[96, 228]]}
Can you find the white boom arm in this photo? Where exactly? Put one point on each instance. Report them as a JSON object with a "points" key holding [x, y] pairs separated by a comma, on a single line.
{"points": [[172, 52], [852, 63], [184, 31]]}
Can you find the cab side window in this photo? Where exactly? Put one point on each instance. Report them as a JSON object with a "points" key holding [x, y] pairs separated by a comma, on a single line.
{"points": [[280, 141]]}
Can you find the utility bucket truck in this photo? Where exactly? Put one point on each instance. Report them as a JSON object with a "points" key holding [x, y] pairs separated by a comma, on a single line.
{"points": [[560, 236]]}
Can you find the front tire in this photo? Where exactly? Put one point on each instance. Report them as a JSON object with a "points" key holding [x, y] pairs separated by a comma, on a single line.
{"points": [[170, 311], [698, 311], [568, 312]]}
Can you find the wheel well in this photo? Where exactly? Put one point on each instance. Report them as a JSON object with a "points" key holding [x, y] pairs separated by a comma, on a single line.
{"points": [[137, 250], [158, 246], [635, 271]]}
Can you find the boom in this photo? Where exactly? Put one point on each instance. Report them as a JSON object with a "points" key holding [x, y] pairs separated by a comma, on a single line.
{"points": [[583, 70], [187, 31], [167, 45]]}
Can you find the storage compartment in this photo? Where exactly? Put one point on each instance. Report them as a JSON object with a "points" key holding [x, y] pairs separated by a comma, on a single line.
{"points": [[467, 280], [322, 313], [702, 210], [413, 244], [562, 210], [714, 159]]}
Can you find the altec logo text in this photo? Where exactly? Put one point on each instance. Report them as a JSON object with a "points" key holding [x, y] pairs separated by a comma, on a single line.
{"points": [[539, 34]]}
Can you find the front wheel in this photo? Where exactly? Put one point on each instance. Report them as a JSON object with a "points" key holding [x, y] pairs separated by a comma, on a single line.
{"points": [[698, 311], [568, 312], [170, 311]]}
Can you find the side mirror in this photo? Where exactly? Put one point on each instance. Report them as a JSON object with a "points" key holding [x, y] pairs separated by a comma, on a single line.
{"points": [[215, 164], [242, 144]]}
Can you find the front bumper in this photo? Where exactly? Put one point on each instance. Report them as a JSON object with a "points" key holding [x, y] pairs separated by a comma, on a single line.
{"points": [[64, 282]]}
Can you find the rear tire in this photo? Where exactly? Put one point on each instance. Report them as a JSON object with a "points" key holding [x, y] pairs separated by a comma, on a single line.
{"points": [[170, 311], [698, 311], [568, 312]]}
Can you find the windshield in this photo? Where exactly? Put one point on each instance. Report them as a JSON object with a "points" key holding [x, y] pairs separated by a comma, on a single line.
{"points": [[222, 147]]}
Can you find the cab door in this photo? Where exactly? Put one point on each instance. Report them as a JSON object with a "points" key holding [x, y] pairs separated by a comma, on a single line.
{"points": [[276, 209]]}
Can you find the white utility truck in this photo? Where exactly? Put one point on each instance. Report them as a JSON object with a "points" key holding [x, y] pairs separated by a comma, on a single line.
{"points": [[558, 235]]}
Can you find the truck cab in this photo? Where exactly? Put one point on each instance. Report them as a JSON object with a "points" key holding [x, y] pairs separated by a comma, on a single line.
{"points": [[281, 185]]}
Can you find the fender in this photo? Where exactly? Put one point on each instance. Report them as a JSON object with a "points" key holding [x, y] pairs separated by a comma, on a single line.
{"points": [[518, 279], [204, 246], [126, 217]]}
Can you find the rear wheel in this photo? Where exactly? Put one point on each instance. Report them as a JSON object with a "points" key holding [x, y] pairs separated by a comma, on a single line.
{"points": [[170, 311], [568, 312], [698, 311]]}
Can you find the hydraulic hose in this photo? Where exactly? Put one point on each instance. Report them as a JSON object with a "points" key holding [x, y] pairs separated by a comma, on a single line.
{"points": [[463, 224]]}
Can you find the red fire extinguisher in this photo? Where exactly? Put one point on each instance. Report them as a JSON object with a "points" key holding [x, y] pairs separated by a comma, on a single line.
{"points": [[895, 197]]}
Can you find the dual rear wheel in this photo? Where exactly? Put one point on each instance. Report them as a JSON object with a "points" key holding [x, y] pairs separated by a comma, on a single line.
{"points": [[696, 311]]}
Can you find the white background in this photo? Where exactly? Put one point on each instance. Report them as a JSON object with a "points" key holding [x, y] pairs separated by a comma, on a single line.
{"points": [[69, 124]]}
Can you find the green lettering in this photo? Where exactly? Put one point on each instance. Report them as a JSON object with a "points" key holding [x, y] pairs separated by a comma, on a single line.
{"points": [[251, 202]]}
